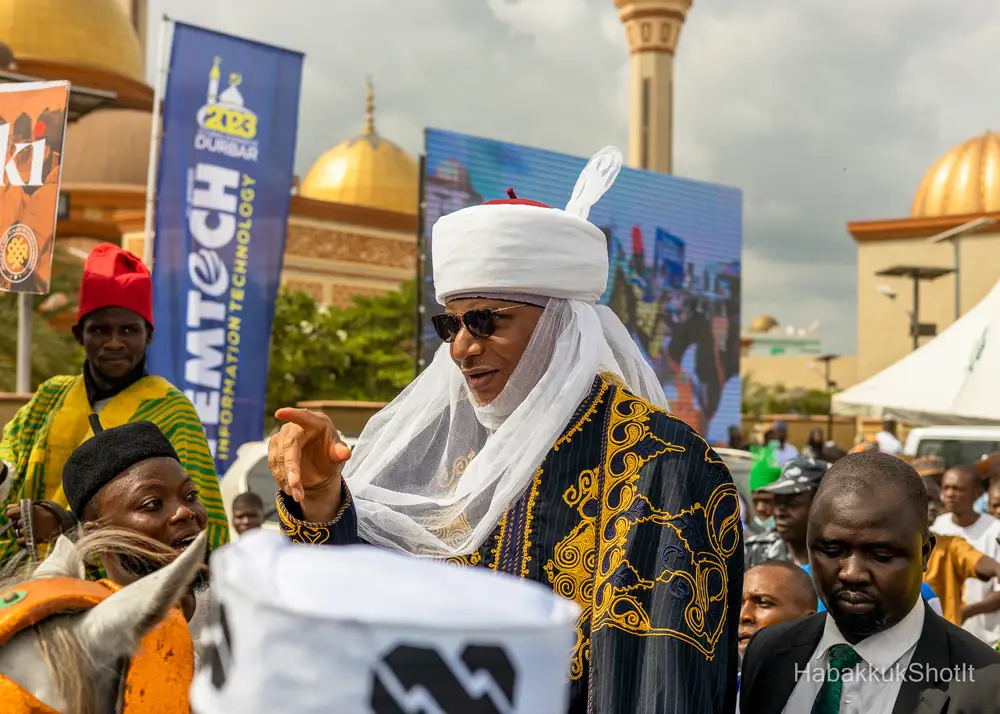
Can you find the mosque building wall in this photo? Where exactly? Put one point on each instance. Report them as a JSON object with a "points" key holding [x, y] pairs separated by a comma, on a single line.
{"points": [[333, 262], [962, 186], [798, 371], [883, 322]]}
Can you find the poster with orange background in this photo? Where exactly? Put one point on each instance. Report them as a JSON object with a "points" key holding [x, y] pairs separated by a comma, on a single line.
{"points": [[32, 131]]}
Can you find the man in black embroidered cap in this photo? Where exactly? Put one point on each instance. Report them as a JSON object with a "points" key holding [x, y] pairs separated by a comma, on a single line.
{"points": [[793, 494], [130, 477]]}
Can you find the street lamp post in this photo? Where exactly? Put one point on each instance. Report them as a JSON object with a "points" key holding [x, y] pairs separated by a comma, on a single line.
{"points": [[953, 234], [917, 274], [830, 385]]}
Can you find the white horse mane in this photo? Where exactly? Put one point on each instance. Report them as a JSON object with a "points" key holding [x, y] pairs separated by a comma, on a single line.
{"points": [[72, 662]]}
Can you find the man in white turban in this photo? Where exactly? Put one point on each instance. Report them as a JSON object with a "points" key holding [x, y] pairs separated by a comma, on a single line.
{"points": [[538, 444]]}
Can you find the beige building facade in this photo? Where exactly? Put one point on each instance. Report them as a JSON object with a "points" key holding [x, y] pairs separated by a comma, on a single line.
{"points": [[798, 371], [961, 187]]}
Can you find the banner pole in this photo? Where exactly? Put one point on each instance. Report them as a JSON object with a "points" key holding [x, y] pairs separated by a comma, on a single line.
{"points": [[418, 357], [154, 142], [24, 305]]}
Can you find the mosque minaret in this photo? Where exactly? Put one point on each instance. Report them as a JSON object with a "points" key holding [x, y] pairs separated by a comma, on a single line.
{"points": [[652, 28]]}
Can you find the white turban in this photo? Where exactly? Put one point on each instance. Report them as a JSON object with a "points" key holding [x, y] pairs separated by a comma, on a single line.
{"points": [[507, 246], [432, 473]]}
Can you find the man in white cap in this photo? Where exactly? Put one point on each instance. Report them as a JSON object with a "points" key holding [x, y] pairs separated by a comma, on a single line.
{"points": [[538, 443]]}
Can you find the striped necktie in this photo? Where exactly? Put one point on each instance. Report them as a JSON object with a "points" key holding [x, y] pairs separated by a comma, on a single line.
{"points": [[840, 659]]}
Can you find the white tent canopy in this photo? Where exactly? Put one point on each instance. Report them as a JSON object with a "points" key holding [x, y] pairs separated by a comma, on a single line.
{"points": [[953, 379]]}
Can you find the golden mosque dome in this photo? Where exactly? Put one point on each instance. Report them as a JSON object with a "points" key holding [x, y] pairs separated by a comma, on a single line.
{"points": [[365, 171], [108, 146], [965, 180], [80, 32], [763, 323]]}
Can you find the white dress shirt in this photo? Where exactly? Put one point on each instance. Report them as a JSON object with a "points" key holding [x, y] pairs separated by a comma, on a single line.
{"points": [[875, 683]]}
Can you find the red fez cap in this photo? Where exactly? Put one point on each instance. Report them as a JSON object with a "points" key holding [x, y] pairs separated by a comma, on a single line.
{"points": [[515, 201], [113, 277]]}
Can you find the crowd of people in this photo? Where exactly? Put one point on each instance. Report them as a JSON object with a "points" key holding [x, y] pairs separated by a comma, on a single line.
{"points": [[773, 447], [957, 564], [539, 445]]}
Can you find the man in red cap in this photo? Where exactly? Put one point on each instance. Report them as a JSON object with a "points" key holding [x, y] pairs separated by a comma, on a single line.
{"points": [[115, 327]]}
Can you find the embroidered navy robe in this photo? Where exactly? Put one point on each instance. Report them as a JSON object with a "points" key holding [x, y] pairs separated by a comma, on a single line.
{"points": [[636, 518]]}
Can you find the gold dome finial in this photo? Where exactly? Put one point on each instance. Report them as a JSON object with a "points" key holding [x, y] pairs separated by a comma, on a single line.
{"points": [[367, 170], [370, 108]]}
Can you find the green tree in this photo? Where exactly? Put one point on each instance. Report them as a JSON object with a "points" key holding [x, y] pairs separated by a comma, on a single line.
{"points": [[378, 336], [302, 360], [53, 351], [365, 352], [761, 399]]}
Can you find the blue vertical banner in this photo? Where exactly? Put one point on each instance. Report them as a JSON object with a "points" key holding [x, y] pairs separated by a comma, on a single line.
{"points": [[230, 115]]}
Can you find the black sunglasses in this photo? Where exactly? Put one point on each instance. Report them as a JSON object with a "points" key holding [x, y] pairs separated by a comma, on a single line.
{"points": [[481, 323]]}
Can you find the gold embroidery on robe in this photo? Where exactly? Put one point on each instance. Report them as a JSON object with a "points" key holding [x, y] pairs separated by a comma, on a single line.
{"points": [[458, 467], [529, 517], [599, 577], [571, 570]]}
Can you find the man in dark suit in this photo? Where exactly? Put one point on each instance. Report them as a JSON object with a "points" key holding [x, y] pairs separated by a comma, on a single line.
{"points": [[878, 649]]}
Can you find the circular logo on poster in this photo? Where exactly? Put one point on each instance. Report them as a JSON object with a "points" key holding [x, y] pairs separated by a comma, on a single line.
{"points": [[18, 253]]}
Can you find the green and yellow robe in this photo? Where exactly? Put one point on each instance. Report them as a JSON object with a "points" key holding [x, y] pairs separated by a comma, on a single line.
{"points": [[636, 518], [40, 438]]}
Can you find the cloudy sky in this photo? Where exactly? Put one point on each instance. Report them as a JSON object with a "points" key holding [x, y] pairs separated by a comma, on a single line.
{"points": [[821, 112]]}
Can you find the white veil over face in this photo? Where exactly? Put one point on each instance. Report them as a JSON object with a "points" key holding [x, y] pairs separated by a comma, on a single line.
{"points": [[432, 473]]}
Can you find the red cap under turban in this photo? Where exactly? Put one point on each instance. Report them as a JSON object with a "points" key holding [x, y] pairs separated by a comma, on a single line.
{"points": [[113, 277]]}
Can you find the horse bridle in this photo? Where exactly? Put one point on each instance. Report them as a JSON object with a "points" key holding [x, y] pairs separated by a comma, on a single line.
{"points": [[28, 528]]}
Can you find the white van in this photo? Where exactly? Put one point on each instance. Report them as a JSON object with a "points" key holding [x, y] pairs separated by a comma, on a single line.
{"points": [[739, 462], [957, 445], [250, 472]]}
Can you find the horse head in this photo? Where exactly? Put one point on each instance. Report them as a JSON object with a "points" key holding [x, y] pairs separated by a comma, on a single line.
{"points": [[75, 655]]}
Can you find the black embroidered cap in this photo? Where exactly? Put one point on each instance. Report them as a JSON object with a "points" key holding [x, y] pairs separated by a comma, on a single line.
{"points": [[101, 459]]}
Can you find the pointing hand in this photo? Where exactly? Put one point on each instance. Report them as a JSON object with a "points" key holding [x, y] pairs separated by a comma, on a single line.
{"points": [[307, 455]]}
